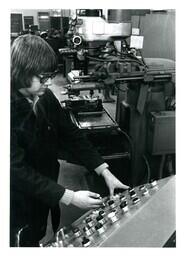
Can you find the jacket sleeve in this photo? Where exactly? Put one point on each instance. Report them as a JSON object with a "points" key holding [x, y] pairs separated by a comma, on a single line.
{"points": [[25, 179], [70, 138], [75, 141]]}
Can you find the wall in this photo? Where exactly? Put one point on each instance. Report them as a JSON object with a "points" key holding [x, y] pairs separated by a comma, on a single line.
{"points": [[158, 29], [159, 35], [29, 12], [34, 13]]}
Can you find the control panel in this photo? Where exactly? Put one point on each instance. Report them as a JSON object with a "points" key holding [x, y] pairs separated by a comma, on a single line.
{"points": [[128, 214]]}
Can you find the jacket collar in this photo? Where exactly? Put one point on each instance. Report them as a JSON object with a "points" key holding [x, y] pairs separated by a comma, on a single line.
{"points": [[20, 105]]}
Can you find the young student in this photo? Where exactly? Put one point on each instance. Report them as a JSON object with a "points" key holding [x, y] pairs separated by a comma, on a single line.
{"points": [[39, 129]]}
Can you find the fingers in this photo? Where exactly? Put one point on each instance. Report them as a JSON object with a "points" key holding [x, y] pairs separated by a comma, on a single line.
{"points": [[94, 199], [93, 195], [121, 185], [118, 185], [111, 190], [94, 202], [94, 206], [125, 186], [86, 199]]}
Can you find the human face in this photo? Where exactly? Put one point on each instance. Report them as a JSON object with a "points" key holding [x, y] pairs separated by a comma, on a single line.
{"points": [[39, 84], [45, 76], [38, 88]]}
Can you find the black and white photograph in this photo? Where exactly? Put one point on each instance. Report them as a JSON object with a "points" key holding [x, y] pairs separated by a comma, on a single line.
{"points": [[92, 132]]}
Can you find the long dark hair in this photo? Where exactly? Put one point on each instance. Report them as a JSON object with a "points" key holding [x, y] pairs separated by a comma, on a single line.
{"points": [[30, 56]]}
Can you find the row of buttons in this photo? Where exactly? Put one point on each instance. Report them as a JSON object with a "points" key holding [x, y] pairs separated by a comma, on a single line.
{"points": [[99, 220]]}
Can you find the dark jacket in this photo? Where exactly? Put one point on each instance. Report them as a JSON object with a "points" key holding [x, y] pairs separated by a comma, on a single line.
{"points": [[35, 142]]}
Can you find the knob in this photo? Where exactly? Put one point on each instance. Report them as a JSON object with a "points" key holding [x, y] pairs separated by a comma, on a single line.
{"points": [[124, 206], [76, 232], [87, 230], [116, 196], [94, 214], [100, 219], [142, 187], [132, 194], [145, 192], [136, 200], [112, 216], [130, 189], [85, 242], [153, 183], [89, 221], [102, 213], [111, 204], [54, 244], [99, 228], [60, 243], [122, 198]]}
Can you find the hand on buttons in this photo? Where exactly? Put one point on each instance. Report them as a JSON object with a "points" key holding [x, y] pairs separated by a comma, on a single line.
{"points": [[86, 199], [112, 182]]}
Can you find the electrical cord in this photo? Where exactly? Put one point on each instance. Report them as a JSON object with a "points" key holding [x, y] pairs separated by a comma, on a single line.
{"points": [[140, 52], [116, 60], [99, 59], [148, 169], [128, 139], [132, 151], [141, 62]]}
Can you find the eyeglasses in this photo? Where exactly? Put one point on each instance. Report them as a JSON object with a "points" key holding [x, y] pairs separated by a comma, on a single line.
{"points": [[45, 76]]}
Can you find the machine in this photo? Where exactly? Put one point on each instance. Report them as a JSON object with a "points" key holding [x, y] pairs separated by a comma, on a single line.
{"points": [[105, 54], [143, 216]]}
